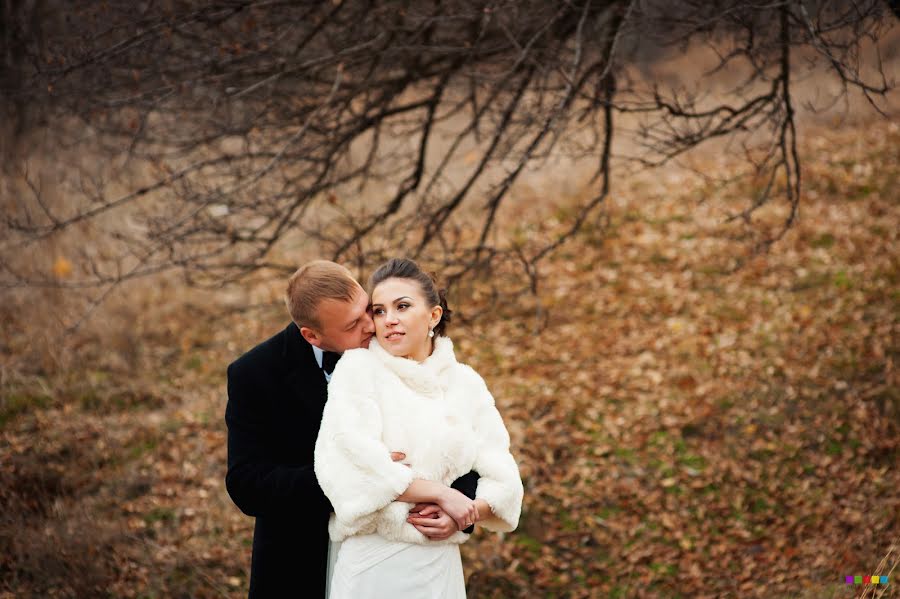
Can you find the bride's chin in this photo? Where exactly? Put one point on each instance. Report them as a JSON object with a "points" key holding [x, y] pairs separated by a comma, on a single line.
{"points": [[391, 349]]}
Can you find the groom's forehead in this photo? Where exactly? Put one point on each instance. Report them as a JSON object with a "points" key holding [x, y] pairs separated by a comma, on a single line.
{"points": [[337, 311]]}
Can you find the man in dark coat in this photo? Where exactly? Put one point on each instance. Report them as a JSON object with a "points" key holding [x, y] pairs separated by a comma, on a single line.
{"points": [[276, 394]]}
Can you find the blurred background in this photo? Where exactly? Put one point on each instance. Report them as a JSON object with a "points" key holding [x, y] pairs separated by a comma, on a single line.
{"points": [[668, 229]]}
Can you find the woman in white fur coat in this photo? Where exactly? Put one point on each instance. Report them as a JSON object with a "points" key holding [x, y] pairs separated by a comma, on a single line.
{"points": [[407, 393]]}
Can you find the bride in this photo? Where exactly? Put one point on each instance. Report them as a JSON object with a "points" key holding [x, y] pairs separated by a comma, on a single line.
{"points": [[408, 393]]}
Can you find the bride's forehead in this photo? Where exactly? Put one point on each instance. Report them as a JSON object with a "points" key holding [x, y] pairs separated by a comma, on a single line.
{"points": [[390, 289]]}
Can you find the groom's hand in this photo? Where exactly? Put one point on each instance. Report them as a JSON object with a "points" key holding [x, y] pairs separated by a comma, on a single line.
{"points": [[430, 520], [398, 456]]}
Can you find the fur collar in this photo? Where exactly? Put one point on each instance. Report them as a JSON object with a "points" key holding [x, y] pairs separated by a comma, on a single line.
{"points": [[425, 377]]}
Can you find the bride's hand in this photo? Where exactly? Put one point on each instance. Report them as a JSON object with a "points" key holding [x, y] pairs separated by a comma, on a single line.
{"points": [[459, 507]]}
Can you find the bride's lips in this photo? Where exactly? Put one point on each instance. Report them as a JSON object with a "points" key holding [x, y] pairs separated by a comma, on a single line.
{"points": [[394, 336]]}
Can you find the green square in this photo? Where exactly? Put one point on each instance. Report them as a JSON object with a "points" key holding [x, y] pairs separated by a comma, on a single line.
{"points": [[857, 579]]}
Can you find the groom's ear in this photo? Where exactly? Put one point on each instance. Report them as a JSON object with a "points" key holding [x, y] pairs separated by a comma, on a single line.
{"points": [[311, 336]]}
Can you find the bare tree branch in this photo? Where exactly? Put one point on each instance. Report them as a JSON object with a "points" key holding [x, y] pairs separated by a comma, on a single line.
{"points": [[233, 131]]}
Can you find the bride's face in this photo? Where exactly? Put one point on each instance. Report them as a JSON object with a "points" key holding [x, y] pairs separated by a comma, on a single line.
{"points": [[403, 318]]}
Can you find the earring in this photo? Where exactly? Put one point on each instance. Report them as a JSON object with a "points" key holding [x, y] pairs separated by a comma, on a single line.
{"points": [[431, 333]]}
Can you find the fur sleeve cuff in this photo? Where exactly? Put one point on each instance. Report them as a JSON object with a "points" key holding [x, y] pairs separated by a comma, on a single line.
{"points": [[505, 500], [379, 491], [399, 478]]}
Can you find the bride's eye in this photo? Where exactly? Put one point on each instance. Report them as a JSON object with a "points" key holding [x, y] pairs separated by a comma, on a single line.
{"points": [[403, 306]]}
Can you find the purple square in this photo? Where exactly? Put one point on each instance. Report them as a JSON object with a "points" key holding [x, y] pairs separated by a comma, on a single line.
{"points": [[848, 579]]}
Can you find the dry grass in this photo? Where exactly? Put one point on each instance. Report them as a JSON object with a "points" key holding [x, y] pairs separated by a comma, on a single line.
{"points": [[683, 430]]}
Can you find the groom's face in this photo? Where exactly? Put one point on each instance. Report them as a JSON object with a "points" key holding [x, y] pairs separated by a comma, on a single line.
{"points": [[345, 325]]}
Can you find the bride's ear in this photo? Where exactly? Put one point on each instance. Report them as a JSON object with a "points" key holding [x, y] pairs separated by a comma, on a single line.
{"points": [[436, 314]]}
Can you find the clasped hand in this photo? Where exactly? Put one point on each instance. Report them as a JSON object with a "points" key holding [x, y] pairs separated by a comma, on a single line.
{"points": [[453, 511]]}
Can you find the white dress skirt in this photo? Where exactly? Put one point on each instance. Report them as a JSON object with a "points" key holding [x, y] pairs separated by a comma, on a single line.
{"points": [[371, 567]]}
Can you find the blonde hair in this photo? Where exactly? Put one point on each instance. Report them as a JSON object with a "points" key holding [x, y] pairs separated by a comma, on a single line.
{"points": [[314, 282]]}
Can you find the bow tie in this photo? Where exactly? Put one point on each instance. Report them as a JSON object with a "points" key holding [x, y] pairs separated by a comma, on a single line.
{"points": [[329, 359]]}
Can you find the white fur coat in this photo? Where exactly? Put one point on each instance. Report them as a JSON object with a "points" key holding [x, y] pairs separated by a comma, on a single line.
{"points": [[438, 412]]}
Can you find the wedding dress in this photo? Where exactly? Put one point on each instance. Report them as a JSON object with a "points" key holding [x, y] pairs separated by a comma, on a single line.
{"points": [[372, 567]]}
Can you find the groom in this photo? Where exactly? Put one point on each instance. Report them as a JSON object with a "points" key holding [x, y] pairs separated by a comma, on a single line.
{"points": [[276, 394]]}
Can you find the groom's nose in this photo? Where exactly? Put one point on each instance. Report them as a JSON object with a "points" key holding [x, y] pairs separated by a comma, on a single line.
{"points": [[368, 325]]}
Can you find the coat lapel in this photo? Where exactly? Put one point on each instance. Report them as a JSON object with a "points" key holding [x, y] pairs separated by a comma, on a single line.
{"points": [[303, 377]]}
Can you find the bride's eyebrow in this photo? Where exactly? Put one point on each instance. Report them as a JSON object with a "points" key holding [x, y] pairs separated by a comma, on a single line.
{"points": [[403, 297]]}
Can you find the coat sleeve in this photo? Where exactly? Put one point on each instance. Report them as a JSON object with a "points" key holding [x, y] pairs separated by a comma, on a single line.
{"points": [[352, 464], [257, 483], [500, 484]]}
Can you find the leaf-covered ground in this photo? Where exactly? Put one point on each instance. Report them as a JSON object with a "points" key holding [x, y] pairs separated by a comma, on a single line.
{"points": [[691, 419]]}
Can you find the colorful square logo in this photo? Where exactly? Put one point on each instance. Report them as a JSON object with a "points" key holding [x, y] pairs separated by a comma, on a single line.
{"points": [[873, 579]]}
